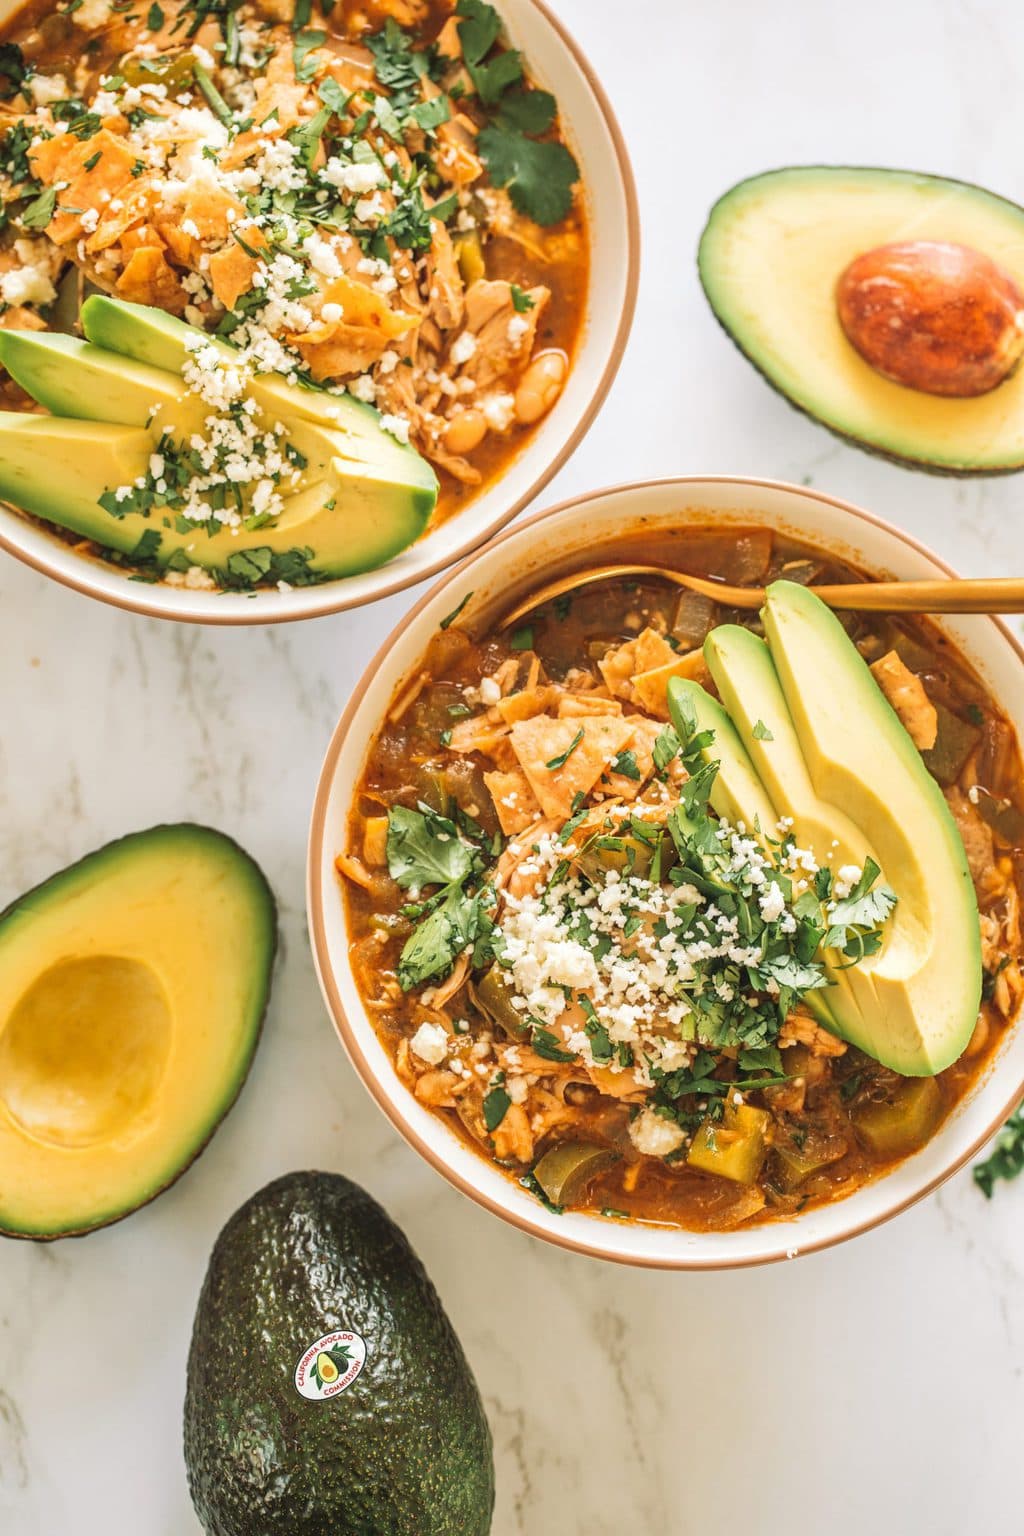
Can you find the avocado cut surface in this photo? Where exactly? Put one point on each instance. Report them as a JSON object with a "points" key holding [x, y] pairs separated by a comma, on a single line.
{"points": [[357, 498], [834, 757], [770, 256], [132, 991], [403, 1449]]}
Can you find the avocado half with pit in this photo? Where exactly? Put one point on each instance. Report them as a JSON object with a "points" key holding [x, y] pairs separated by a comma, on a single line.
{"points": [[132, 991], [361, 497], [776, 247], [832, 755]]}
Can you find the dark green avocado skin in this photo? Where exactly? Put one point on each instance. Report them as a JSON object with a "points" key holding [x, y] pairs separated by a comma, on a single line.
{"points": [[404, 1451]]}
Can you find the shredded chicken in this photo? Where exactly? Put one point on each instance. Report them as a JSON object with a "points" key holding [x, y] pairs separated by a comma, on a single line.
{"points": [[908, 697]]}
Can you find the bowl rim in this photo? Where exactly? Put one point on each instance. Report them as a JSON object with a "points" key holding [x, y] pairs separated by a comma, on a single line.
{"points": [[324, 963], [331, 594]]}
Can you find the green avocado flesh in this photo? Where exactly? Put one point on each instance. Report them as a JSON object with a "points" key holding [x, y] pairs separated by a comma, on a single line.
{"points": [[834, 757], [770, 256], [362, 497], [132, 991], [403, 1450]]}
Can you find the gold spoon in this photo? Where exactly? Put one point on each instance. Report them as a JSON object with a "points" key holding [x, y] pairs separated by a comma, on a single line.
{"points": [[991, 594]]}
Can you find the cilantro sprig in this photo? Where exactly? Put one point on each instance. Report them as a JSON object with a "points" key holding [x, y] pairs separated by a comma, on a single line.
{"points": [[1006, 1160], [539, 172], [428, 852]]}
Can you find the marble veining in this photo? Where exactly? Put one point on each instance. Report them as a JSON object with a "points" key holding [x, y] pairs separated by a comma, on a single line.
{"points": [[876, 1386]]}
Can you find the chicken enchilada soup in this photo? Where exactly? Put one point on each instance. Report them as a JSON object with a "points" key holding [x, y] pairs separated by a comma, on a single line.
{"points": [[234, 200], [684, 914]]}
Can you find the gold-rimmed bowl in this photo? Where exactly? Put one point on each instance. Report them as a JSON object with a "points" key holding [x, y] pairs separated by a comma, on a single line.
{"points": [[558, 64], [575, 534]]}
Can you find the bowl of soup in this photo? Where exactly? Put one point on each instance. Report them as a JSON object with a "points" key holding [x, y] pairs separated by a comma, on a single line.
{"points": [[384, 263], [672, 933]]}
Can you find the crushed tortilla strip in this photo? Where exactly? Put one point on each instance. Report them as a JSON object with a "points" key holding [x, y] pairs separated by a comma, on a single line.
{"points": [[515, 803], [542, 740], [650, 688], [523, 705], [147, 279], [63, 160], [572, 705], [231, 270], [366, 327], [909, 698], [641, 744]]}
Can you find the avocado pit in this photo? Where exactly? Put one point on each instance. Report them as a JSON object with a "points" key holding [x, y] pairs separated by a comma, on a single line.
{"points": [[933, 316]]}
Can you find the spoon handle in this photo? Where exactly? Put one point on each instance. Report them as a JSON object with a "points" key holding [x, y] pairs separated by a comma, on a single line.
{"points": [[994, 594]]}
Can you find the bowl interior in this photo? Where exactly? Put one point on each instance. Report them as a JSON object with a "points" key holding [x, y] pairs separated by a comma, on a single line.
{"points": [[537, 549], [557, 65]]}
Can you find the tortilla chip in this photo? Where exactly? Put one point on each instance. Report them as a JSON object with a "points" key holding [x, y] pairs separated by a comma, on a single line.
{"points": [[650, 688], [514, 801], [147, 279], [524, 704], [359, 338], [572, 705], [481, 733], [63, 159], [587, 744], [231, 270], [641, 744]]}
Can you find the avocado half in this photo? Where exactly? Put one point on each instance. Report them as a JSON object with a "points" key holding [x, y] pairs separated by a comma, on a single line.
{"points": [[837, 761], [771, 253], [132, 991]]}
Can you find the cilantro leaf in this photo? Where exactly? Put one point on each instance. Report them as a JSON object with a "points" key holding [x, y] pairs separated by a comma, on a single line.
{"points": [[539, 174], [495, 1106], [1006, 1160], [425, 849], [547, 1045], [435, 944], [305, 43], [625, 763], [532, 112], [479, 29], [40, 210], [666, 747], [522, 302], [761, 732]]}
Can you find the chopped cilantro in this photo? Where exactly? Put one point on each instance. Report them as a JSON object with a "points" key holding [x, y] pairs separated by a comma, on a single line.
{"points": [[761, 732], [40, 210], [154, 18], [13, 70], [495, 1106], [522, 640], [546, 1044], [625, 763], [305, 43], [522, 303]]}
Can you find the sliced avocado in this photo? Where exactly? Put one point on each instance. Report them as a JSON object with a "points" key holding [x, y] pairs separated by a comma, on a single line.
{"points": [[926, 977], [405, 1450], [160, 340], [770, 256], [737, 794], [362, 497], [132, 990]]}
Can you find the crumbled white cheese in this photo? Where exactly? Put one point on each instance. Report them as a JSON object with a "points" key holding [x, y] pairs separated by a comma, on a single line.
{"points": [[91, 14], [499, 411], [462, 348], [398, 426], [46, 88], [430, 1043], [847, 877], [655, 1136], [490, 691], [518, 326]]}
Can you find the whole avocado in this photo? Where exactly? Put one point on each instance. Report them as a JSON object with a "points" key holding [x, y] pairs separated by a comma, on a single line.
{"points": [[403, 1450]]}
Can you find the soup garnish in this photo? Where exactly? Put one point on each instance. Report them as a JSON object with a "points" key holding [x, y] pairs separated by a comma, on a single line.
{"points": [[604, 955], [375, 203]]}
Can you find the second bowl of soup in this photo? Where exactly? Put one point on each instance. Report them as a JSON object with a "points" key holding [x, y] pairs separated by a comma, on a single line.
{"points": [[675, 933]]}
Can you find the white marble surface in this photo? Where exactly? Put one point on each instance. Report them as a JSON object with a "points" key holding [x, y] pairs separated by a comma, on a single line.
{"points": [[875, 1386]]}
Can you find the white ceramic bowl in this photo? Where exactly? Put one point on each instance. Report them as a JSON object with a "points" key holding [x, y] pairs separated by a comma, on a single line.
{"points": [[534, 551], [556, 63]]}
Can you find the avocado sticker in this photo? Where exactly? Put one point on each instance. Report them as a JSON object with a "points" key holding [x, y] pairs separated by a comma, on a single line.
{"points": [[330, 1365]]}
